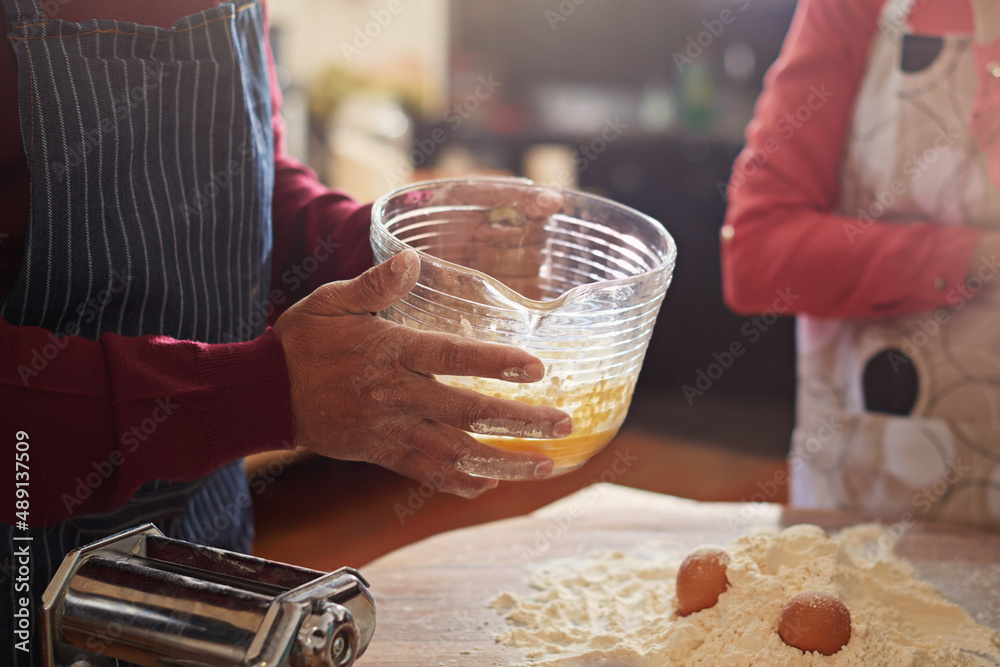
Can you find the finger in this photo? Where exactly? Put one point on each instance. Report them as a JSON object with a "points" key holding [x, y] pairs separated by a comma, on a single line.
{"points": [[531, 202], [442, 477], [437, 353], [464, 454], [541, 203], [536, 203], [460, 193], [374, 290], [471, 411], [478, 193]]}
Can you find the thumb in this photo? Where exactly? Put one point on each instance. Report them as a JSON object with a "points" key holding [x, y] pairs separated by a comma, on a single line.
{"points": [[376, 289]]}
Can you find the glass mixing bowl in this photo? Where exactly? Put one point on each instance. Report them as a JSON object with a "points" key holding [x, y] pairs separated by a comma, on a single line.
{"points": [[575, 279]]}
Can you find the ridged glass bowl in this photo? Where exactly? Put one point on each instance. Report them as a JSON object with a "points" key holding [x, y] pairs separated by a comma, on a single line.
{"points": [[575, 279]]}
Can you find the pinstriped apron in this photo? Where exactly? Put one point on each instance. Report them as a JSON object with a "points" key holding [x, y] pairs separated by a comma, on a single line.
{"points": [[901, 415], [151, 156]]}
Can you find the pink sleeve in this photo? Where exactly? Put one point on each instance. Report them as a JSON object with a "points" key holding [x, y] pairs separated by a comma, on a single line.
{"points": [[985, 124], [780, 234], [104, 417], [320, 235]]}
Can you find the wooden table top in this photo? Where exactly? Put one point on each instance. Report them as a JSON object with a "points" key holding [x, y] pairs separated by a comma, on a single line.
{"points": [[433, 596]]}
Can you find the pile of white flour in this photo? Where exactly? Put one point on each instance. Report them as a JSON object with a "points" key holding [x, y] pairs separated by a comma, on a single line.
{"points": [[617, 610]]}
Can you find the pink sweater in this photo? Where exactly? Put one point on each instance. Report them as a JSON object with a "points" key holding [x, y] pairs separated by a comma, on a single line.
{"points": [[780, 232]]}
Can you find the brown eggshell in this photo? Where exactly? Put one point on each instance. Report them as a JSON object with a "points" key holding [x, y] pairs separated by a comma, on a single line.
{"points": [[815, 621], [701, 579]]}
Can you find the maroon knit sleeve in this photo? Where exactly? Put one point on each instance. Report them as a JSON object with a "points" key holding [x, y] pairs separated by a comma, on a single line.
{"points": [[104, 417]]}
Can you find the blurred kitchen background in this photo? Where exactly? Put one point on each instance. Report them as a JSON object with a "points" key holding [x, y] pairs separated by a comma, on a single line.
{"points": [[642, 101]]}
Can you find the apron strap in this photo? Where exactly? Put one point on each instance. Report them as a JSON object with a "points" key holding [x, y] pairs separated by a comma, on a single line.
{"points": [[19, 12], [899, 7], [895, 14]]}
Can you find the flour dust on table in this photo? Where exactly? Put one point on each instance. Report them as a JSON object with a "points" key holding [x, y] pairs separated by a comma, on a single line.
{"points": [[617, 609]]}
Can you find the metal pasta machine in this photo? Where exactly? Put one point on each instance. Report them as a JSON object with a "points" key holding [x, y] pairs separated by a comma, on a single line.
{"points": [[146, 599]]}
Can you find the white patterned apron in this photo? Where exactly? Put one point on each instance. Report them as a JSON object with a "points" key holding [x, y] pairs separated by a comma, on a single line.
{"points": [[902, 415]]}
